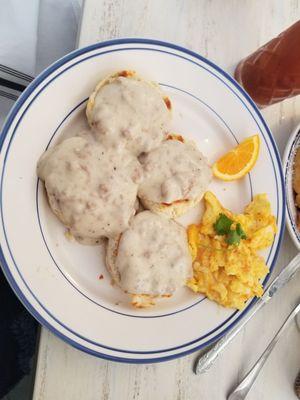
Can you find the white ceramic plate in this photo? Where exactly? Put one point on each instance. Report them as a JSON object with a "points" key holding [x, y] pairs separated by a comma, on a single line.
{"points": [[57, 280], [288, 161]]}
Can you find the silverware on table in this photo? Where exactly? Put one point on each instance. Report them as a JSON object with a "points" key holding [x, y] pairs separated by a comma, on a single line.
{"points": [[14, 72], [204, 362], [8, 95], [241, 391], [12, 82]]}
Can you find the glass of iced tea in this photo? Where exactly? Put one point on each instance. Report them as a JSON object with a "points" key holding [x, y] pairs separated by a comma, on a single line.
{"points": [[272, 73]]}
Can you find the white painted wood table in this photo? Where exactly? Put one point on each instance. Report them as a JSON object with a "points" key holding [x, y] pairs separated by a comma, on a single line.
{"points": [[225, 32]]}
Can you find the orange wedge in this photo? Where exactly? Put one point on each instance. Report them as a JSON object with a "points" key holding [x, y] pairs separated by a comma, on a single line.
{"points": [[239, 161]]}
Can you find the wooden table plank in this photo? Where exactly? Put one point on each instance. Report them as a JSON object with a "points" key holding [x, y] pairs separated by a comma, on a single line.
{"points": [[223, 31]]}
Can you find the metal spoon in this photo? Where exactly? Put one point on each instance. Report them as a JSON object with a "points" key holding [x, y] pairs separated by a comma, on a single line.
{"points": [[243, 388]]}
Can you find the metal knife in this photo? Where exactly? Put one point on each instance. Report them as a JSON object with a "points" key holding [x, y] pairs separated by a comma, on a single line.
{"points": [[204, 362]]}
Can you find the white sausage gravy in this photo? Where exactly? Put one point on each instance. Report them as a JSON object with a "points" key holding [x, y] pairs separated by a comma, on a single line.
{"points": [[174, 171], [153, 256], [91, 189], [129, 112]]}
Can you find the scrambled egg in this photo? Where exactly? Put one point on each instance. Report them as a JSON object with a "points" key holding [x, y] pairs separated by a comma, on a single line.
{"points": [[231, 274]]}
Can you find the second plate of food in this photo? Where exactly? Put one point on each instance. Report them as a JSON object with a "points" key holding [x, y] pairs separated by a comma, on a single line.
{"points": [[291, 159], [114, 233]]}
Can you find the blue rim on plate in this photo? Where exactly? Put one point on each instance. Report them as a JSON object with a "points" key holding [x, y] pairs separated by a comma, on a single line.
{"points": [[288, 161], [10, 120]]}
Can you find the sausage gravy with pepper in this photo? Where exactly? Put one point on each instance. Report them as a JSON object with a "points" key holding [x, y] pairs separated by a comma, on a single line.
{"points": [[153, 256], [129, 112], [174, 171], [91, 189]]}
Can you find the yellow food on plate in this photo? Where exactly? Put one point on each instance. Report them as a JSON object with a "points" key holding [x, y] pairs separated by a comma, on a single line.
{"points": [[227, 268], [239, 161]]}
